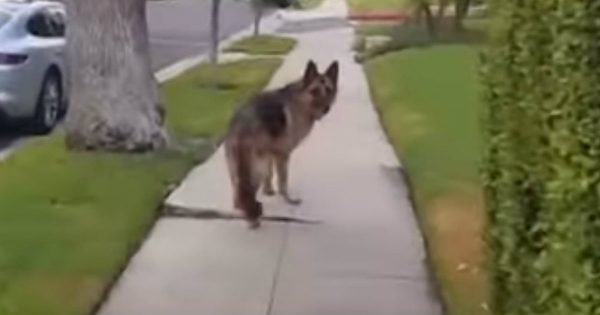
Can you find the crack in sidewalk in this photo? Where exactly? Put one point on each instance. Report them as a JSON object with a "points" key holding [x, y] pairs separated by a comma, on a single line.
{"points": [[204, 214], [280, 258]]}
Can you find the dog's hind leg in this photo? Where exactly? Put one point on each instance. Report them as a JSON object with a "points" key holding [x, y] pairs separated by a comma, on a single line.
{"points": [[246, 182]]}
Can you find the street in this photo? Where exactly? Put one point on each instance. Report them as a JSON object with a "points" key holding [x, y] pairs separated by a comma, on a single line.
{"points": [[178, 29]]}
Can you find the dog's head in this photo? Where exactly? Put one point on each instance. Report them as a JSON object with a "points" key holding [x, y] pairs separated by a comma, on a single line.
{"points": [[319, 90]]}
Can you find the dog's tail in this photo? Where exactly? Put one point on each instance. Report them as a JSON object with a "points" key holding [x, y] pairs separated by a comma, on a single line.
{"points": [[246, 185]]}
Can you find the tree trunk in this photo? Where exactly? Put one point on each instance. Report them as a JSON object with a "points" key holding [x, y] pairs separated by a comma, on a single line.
{"points": [[258, 12], [214, 31], [429, 19], [441, 14], [465, 7], [461, 11], [115, 103]]}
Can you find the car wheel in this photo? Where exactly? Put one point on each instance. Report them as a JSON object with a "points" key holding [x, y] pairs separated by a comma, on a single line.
{"points": [[49, 106]]}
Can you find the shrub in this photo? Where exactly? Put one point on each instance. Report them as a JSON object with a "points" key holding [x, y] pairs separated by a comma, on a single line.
{"points": [[542, 167]]}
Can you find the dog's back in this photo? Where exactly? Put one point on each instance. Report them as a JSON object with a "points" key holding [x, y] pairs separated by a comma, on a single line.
{"points": [[264, 114]]}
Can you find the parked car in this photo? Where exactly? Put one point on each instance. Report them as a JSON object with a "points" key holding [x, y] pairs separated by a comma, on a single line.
{"points": [[33, 81]]}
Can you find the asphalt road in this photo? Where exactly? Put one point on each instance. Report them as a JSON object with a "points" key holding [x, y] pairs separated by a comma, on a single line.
{"points": [[178, 29], [181, 28]]}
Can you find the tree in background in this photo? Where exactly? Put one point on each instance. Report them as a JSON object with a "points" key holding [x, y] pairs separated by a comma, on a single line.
{"points": [[114, 95], [434, 22], [258, 6], [422, 12], [461, 10], [542, 166], [215, 31], [442, 6]]}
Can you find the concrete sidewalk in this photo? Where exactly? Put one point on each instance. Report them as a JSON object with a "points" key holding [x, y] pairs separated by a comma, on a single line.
{"points": [[357, 249]]}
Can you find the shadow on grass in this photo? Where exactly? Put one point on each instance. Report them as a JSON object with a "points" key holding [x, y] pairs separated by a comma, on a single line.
{"points": [[217, 86]]}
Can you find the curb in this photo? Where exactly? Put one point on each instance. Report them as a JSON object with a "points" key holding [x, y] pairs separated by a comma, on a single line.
{"points": [[378, 15]]}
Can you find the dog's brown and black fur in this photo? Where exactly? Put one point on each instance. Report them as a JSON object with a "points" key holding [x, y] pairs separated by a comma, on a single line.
{"points": [[264, 132]]}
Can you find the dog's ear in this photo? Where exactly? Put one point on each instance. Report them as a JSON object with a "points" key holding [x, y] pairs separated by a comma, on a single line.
{"points": [[333, 72], [311, 73]]}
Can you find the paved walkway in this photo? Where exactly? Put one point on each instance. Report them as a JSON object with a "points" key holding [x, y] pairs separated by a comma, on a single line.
{"points": [[357, 249]]}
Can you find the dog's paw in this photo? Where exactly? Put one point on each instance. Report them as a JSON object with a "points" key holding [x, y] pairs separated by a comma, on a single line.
{"points": [[254, 224], [293, 201], [268, 191]]}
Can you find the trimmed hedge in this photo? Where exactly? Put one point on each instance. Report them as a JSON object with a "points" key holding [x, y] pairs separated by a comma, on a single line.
{"points": [[542, 165]]}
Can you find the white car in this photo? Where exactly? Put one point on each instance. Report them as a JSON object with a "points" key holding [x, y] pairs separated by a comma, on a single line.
{"points": [[33, 80]]}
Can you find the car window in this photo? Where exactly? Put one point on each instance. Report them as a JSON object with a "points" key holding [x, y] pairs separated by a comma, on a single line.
{"points": [[4, 17], [38, 26], [47, 23], [57, 21]]}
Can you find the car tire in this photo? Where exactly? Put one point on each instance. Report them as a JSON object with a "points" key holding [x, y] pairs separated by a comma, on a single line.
{"points": [[49, 105]]}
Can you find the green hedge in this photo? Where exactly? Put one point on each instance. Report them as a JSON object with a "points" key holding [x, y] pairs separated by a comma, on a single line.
{"points": [[542, 167]]}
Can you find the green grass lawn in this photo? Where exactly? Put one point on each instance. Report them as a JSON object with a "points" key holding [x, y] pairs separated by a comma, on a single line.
{"points": [[429, 103], [377, 29], [360, 5], [69, 220], [203, 111], [263, 45], [309, 4]]}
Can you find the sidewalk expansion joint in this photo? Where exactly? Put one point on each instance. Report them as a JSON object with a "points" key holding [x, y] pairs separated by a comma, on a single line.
{"points": [[277, 275]]}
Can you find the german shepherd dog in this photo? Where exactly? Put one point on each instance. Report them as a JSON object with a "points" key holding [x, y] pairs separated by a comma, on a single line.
{"points": [[264, 132]]}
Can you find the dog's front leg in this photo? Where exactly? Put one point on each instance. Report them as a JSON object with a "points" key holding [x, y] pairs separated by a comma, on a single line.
{"points": [[268, 183], [282, 164]]}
